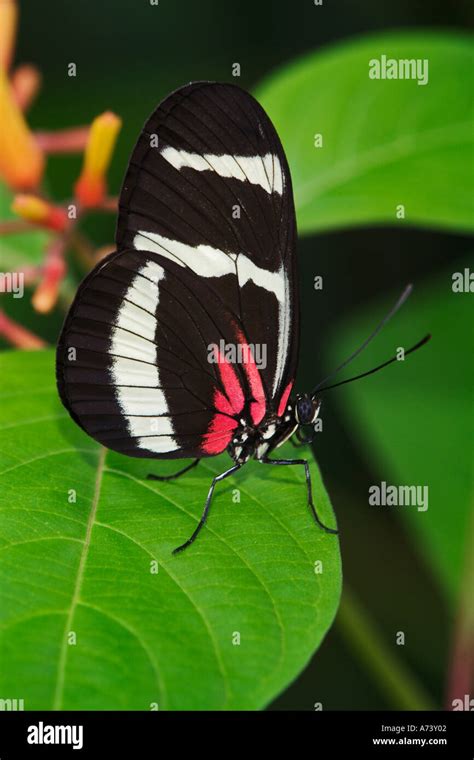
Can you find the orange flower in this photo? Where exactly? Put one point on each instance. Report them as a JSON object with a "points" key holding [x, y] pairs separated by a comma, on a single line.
{"points": [[8, 22], [47, 292], [41, 212], [25, 82], [21, 160], [91, 186]]}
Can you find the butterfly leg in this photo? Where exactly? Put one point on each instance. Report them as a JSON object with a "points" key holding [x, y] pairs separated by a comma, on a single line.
{"points": [[175, 474], [207, 506], [308, 486]]}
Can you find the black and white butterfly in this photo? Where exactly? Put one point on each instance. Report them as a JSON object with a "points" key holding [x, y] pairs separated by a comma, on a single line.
{"points": [[205, 260]]}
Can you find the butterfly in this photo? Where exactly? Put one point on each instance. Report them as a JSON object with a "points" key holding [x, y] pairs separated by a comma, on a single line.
{"points": [[184, 342]]}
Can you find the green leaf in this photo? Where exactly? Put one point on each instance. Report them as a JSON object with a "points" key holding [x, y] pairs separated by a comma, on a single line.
{"points": [[20, 248], [415, 418], [144, 638], [385, 142]]}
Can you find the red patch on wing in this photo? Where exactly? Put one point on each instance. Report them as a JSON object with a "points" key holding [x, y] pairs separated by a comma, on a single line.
{"points": [[258, 406], [284, 399], [233, 401], [229, 404], [219, 434]]}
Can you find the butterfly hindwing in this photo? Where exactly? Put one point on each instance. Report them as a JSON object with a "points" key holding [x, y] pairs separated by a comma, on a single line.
{"points": [[133, 360]]}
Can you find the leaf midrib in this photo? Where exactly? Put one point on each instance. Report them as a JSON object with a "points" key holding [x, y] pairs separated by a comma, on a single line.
{"points": [[59, 690]]}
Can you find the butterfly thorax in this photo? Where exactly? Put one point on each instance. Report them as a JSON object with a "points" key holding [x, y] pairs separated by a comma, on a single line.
{"points": [[257, 442], [250, 441]]}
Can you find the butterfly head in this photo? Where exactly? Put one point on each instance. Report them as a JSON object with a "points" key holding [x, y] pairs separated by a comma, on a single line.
{"points": [[306, 409]]}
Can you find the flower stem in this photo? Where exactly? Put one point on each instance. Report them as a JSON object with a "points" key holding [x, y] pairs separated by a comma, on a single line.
{"points": [[461, 671], [15, 226], [18, 335], [63, 141]]}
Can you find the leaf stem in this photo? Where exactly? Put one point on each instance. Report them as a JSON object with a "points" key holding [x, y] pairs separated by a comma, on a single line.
{"points": [[391, 674]]}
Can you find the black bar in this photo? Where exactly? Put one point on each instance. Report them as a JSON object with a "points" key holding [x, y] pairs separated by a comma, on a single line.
{"points": [[369, 734]]}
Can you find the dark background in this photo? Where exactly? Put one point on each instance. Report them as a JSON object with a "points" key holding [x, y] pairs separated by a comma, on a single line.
{"points": [[128, 57]]}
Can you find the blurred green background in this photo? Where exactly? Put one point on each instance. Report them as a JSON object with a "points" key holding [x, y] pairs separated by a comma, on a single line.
{"points": [[129, 56]]}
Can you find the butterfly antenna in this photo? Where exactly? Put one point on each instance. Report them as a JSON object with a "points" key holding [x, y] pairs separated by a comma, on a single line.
{"points": [[380, 366], [401, 300]]}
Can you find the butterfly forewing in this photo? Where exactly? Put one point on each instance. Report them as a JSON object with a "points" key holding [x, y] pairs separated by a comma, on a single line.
{"points": [[205, 239]]}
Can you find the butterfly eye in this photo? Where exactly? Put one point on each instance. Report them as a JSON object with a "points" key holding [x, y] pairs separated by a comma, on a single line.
{"points": [[304, 410]]}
